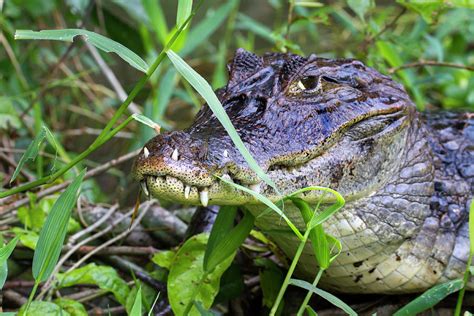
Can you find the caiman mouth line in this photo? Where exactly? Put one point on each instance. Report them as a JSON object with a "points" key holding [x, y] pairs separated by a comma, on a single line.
{"points": [[179, 189]]}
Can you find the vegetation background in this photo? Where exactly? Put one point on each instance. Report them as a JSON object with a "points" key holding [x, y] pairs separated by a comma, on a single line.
{"points": [[74, 91]]}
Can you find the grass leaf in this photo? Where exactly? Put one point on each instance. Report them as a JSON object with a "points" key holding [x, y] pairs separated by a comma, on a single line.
{"points": [[30, 153], [145, 120], [471, 227], [326, 295], [227, 244], [137, 304], [51, 237], [184, 10], [430, 298], [268, 203], [205, 90], [5, 253], [157, 19], [99, 41]]}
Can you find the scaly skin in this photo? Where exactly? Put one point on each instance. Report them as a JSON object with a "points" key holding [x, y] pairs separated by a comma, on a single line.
{"points": [[407, 180]]}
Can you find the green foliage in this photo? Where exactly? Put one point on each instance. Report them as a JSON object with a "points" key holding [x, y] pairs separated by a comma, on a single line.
{"points": [[104, 277], [74, 308], [430, 298], [5, 252], [136, 309], [99, 41], [187, 280], [40, 308]]}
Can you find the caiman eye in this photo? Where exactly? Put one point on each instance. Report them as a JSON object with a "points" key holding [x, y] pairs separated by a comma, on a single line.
{"points": [[309, 83]]}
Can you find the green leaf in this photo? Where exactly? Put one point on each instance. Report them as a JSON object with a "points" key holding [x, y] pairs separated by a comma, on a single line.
{"points": [[164, 258], [268, 203], [28, 238], [205, 90], [137, 304], [157, 19], [202, 311], [40, 308], [428, 9], [99, 41], [271, 279], [5, 253], [30, 153], [184, 11], [311, 311], [187, 281], [148, 294], [72, 307], [430, 298], [145, 120], [327, 296], [104, 277], [51, 237], [201, 32], [226, 242], [360, 7]]}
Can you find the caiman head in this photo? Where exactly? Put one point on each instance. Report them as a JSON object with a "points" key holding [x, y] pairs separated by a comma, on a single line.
{"points": [[306, 121]]}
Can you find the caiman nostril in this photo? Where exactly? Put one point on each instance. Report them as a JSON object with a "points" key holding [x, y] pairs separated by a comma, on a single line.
{"points": [[175, 155]]}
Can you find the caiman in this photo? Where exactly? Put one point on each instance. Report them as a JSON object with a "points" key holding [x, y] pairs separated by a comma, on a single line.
{"points": [[407, 177]]}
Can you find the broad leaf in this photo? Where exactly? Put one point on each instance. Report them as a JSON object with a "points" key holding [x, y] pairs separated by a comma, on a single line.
{"points": [[99, 41], [188, 283], [104, 277], [40, 308], [72, 307]]}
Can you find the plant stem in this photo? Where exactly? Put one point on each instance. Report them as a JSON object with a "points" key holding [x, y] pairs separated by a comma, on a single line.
{"points": [[32, 295], [308, 295], [297, 256], [457, 311]]}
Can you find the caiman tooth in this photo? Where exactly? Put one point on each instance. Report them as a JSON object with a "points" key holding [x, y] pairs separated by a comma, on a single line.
{"points": [[225, 153], [187, 190], [145, 188], [225, 176], [175, 155], [255, 187], [146, 152], [204, 197]]}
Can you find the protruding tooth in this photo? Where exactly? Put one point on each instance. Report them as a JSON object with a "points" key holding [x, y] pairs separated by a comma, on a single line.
{"points": [[187, 190], [146, 152], [225, 153], [204, 197], [144, 188], [255, 187], [225, 176], [174, 156]]}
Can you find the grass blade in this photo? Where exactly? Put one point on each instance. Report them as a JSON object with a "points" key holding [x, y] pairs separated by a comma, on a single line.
{"points": [[228, 245], [205, 90], [184, 10], [268, 203], [327, 296], [99, 41], [51, 237], [5, 253], [137, 304], [430, 298], [157, 19], [30, 154], [147, 121]]}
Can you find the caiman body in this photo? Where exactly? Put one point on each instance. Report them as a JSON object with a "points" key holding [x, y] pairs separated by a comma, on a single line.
{"points": [[407, 178]]}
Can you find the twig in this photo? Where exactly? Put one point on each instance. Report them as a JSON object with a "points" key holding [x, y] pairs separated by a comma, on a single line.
{"points": [[118, 250], [15, 297], [92, 227], [111, 77], [109, 311], [424, 63], [18, 283], [63, 185], [63, 259], [113, 240], [386, 27]]}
